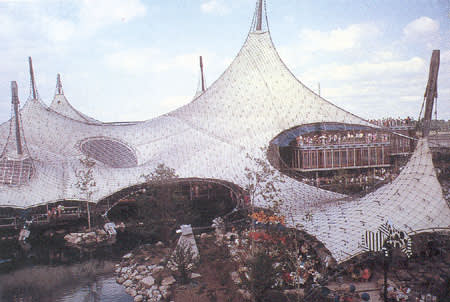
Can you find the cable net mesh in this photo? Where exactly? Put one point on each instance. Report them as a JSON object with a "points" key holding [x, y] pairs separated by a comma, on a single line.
{"points": [[15, 172], [109, 152], [254, 100]]}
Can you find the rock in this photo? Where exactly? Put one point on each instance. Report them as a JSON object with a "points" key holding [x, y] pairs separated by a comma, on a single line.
{"points": [[245, 294], [141, 268], [133, 292], [123, 269], [127, 256], [89, 235], [157, 269], [128, 283], [139, 277], [166, 294], [231, 236], [77, 240], [203, 235], [159, 244], [90, 241], [243, 269], [195, 275], [235, 277], [125, 276], [138, 298], [101, 232], [120, 280], [168, 281], [147, 282]]}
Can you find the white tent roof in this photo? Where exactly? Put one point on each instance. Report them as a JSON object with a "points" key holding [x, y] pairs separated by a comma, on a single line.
{"points": [[252, 102]]}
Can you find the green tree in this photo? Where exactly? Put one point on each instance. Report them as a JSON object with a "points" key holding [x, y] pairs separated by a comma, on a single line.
{"points": [[262, 182], [262, 274], [160, 179], [86, 182], [161, 174], [183, 260]]}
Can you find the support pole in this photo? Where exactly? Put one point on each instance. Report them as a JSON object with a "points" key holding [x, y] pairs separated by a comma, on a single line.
{"points": [[202, 75], [259, 16], [59, 89], [431, 91], [33, 84], [15, 102], [385, 277]]}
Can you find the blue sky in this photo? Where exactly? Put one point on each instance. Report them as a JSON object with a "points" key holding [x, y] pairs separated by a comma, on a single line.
{"points": [[137, 59]]}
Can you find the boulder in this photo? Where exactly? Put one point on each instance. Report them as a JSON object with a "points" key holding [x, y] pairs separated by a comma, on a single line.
{"points": [[77, 240], [120, 280], [165, 293], [235, 277], [147, 282], [128, 283], [159, 244], [90, 240], [101, 232], [89, 235], [231, 236], [138, 277], [133, 292], [138, 298], [157, 269], [127, 256], [195, 275], [141, 268], [168, 281], [245, 294]]}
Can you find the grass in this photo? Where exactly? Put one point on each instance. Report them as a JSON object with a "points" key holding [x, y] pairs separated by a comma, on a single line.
{"points": [[40, 281]]}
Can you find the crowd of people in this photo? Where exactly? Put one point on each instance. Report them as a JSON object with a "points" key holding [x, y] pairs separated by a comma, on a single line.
{"points": [[349, 137], [362, 179], [393, 122]]}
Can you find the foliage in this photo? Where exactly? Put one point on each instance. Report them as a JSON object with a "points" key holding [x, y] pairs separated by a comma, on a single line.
{"points": [[262, 217], [162, 202], [261, 274], [86, 182], [262, 180], [183, 260], [85, 177], [160, 174]]}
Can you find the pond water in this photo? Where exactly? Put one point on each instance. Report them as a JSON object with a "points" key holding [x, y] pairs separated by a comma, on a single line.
{"points": [[45, 269], [104, 289]]}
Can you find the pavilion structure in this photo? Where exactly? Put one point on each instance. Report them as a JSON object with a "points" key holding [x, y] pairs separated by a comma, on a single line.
{"points": [[245, 110]]}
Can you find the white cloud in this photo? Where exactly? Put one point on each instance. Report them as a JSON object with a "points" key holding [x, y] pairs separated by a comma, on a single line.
{"points": [[145, 60], [97, 13], [420, 29], [337, 39], [217, 7], [364, 70]]}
